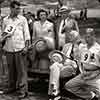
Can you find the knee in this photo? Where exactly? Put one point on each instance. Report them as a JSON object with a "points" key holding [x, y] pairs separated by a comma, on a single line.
{"points": [[54, 66], [67, 86]]}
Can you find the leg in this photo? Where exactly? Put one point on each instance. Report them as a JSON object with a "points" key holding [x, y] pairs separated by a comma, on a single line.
{"points": [[12, 77], [78, 87], [54, 77], [22, 73], [95, 86]]}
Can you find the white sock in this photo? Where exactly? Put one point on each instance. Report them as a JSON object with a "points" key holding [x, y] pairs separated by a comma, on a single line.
{"points": [[93, 94]]}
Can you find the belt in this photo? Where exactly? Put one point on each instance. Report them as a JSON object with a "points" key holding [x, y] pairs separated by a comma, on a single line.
{"points": [[12, 52]]}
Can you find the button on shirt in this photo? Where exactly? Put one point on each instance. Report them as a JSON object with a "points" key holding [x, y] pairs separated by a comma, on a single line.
{"points": [[19, 35]]}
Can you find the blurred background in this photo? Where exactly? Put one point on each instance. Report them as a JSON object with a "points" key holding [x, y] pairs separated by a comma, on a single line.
{"points": [[34, 5]]}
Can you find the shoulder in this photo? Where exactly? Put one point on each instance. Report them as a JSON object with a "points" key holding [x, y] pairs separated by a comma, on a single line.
{"points": [[6, 18], [36, 22], [67, 45], [82, 46], [97, 46], [22, 18], [49, 23]]}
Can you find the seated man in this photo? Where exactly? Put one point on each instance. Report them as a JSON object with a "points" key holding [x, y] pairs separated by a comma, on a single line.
{"points": [[87, 84], [65, 62]]}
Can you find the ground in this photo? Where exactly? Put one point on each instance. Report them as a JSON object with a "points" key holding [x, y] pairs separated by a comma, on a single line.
{"points": [[37, 91]]}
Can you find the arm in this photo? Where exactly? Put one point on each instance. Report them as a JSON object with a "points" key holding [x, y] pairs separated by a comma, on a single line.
{"points": [[50, 38], [76, 26], [67, 49], [26, 33], [3, 34], [34, 32], [51, 31]]}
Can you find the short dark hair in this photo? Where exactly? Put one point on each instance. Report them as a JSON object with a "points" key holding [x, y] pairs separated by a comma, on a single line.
{"points": [[39, 11], [13, 3], [33, 15]]}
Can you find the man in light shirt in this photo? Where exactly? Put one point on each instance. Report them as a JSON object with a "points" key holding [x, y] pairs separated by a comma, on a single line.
{"points": [[87, 84], [64, 11], [17, 38]]}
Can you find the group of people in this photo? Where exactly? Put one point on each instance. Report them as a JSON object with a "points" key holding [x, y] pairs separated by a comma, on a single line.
{"points": [[55, 39], [78, 65]]}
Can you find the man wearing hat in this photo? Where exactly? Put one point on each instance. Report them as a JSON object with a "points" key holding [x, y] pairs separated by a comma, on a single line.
{"points": [[64, 63], [64, 11], [87, 84], [59, 22]]}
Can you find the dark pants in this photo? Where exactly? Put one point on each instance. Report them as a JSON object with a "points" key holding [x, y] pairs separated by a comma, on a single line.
{"points": [[17, 71]]}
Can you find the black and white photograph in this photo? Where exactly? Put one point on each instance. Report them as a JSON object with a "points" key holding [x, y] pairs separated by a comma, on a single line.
{"points": [[49, 49]]}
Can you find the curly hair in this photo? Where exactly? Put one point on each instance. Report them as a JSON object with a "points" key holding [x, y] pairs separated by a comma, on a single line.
{"points": [[39, 11]]}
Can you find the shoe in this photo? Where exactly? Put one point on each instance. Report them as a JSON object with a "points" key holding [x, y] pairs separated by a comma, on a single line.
{"points": [[54, 90], [95, 98], [1, 92], [23, 95], [20, 86], [58, 97]]}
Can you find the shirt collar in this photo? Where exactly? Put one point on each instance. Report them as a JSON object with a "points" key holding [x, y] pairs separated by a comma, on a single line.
{"points": [[15, 17], [46, 22]]}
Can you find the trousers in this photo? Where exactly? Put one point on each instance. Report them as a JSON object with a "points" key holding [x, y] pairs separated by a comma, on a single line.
{"points": [[84, 88], [17, 71]]}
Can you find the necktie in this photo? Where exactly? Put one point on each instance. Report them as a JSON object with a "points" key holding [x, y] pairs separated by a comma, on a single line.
{"points": [[64, 23], [63, 30], [72, 52]]}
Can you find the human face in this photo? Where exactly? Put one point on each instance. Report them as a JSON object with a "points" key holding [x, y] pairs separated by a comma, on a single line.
{"points": [[64, 15], [43, 16], [15, 11], [89, 39]]}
